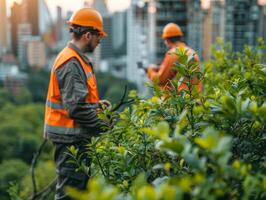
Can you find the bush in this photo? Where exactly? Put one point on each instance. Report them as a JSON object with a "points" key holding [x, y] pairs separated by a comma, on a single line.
{"points": [[188, 145], [11, 171]]}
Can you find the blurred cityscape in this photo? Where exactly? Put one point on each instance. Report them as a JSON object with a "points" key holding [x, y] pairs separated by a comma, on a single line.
{"points": [[31, 38]]}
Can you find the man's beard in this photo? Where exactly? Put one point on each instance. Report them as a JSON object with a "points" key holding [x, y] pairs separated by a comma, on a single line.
{"points": [[89, 48]]}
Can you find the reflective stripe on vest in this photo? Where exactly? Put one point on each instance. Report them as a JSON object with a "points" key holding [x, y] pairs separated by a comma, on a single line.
{"points": [[62, 130], [56, 116], [55, 106]]}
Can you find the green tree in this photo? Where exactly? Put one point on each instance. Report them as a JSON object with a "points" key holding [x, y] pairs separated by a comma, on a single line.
{"points": [[11, 171], [37, 84]]}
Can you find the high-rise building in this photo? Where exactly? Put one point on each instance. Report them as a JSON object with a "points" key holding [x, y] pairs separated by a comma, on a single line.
{"points": [[195, 26], [3, 27], [44, 18], [106, 50], [262, 21], [24, 35], [36, 13], [33, 12], [36, 53], [213, 26], [103, 54], [8, 66], [169, 11], [58, 24], [119, 44], [15, 20], [242, 23], [137, 41]]}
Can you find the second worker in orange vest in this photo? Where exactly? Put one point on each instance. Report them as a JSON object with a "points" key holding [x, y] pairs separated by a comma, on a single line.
{"points": [[72, 100], [172, 36]]}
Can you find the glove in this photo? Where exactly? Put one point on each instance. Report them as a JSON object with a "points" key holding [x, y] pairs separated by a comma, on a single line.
{"points": [[103, 104]]}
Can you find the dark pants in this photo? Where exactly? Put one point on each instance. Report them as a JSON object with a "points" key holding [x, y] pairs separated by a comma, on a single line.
{"points": [[67, 175]]}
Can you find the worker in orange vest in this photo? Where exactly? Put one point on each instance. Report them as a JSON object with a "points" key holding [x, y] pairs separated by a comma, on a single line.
{"points": [[172, 35], [73, 100]]}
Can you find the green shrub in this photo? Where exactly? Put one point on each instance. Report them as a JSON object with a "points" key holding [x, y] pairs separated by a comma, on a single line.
{"points": [[189, 145], [11, 171]]}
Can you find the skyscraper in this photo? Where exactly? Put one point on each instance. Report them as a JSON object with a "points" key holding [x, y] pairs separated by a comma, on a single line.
{"points": [[58, 24], [137, 41], [213, 26], [3, 27], [36, 54], [262, 21], [15, 20], [34, 12], [119, 43], [195, 25], [242, 23], [169, 11], [24, 35]]}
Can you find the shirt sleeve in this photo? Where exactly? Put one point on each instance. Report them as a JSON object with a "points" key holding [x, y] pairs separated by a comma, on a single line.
{"points": [[165, 71], [73, 89]]}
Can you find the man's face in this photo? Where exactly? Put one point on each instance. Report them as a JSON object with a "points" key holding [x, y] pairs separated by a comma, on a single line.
{"points": [[93, 39], [166, 43]]}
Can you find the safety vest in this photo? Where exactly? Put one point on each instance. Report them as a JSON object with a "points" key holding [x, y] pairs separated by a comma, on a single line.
{"points": [[56, 116], [183, 82]]}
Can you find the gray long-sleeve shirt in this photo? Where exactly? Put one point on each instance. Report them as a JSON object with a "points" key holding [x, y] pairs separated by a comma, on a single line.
{"points": [[73, 89]]}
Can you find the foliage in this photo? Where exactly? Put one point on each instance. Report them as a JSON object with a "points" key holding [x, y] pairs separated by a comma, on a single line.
{"points": [[23, 97], [21, 132], [186, 145], [43, 179], [110, 86], [37, 84], [11, 171], [25, 125]]}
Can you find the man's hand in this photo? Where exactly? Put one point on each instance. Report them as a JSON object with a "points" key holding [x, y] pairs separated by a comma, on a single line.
{"points": [[153, 66], [103, 104]]}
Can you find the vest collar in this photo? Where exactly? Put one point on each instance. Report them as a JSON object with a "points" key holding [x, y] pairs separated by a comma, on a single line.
{"points": [[81, 54]]}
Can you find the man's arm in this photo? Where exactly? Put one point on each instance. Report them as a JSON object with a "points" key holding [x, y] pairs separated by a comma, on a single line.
{"points": [[73, 89], [165, 71]]}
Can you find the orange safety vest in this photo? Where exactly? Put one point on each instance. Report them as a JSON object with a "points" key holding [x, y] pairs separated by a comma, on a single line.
{"points": [[56, 116], [183, 82], [165, 72]]}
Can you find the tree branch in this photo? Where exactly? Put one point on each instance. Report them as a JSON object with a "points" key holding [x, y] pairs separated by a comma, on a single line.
{"points": [[33, 164]]}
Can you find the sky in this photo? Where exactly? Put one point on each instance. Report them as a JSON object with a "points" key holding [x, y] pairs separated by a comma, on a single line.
{"points": [[72, 5], [113, 5]]}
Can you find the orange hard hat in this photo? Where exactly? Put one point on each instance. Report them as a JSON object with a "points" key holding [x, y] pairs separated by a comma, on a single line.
{"points": [[171, 30], [88, 17]]}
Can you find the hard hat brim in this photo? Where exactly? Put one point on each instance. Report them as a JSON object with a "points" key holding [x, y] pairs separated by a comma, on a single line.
{"points": [[103, 33]]}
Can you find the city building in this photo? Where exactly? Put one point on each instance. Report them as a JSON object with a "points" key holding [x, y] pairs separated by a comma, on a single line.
{"points": [[36, 53], [15, 20], [40, 20], [242, 23], [3, 28], [262, 21], [8, 66], [104, 52], [10, 76], [169, 11], [58, 24], [24, 35], [137, 42], [195, 26], [213, 26], [119, 44]]}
